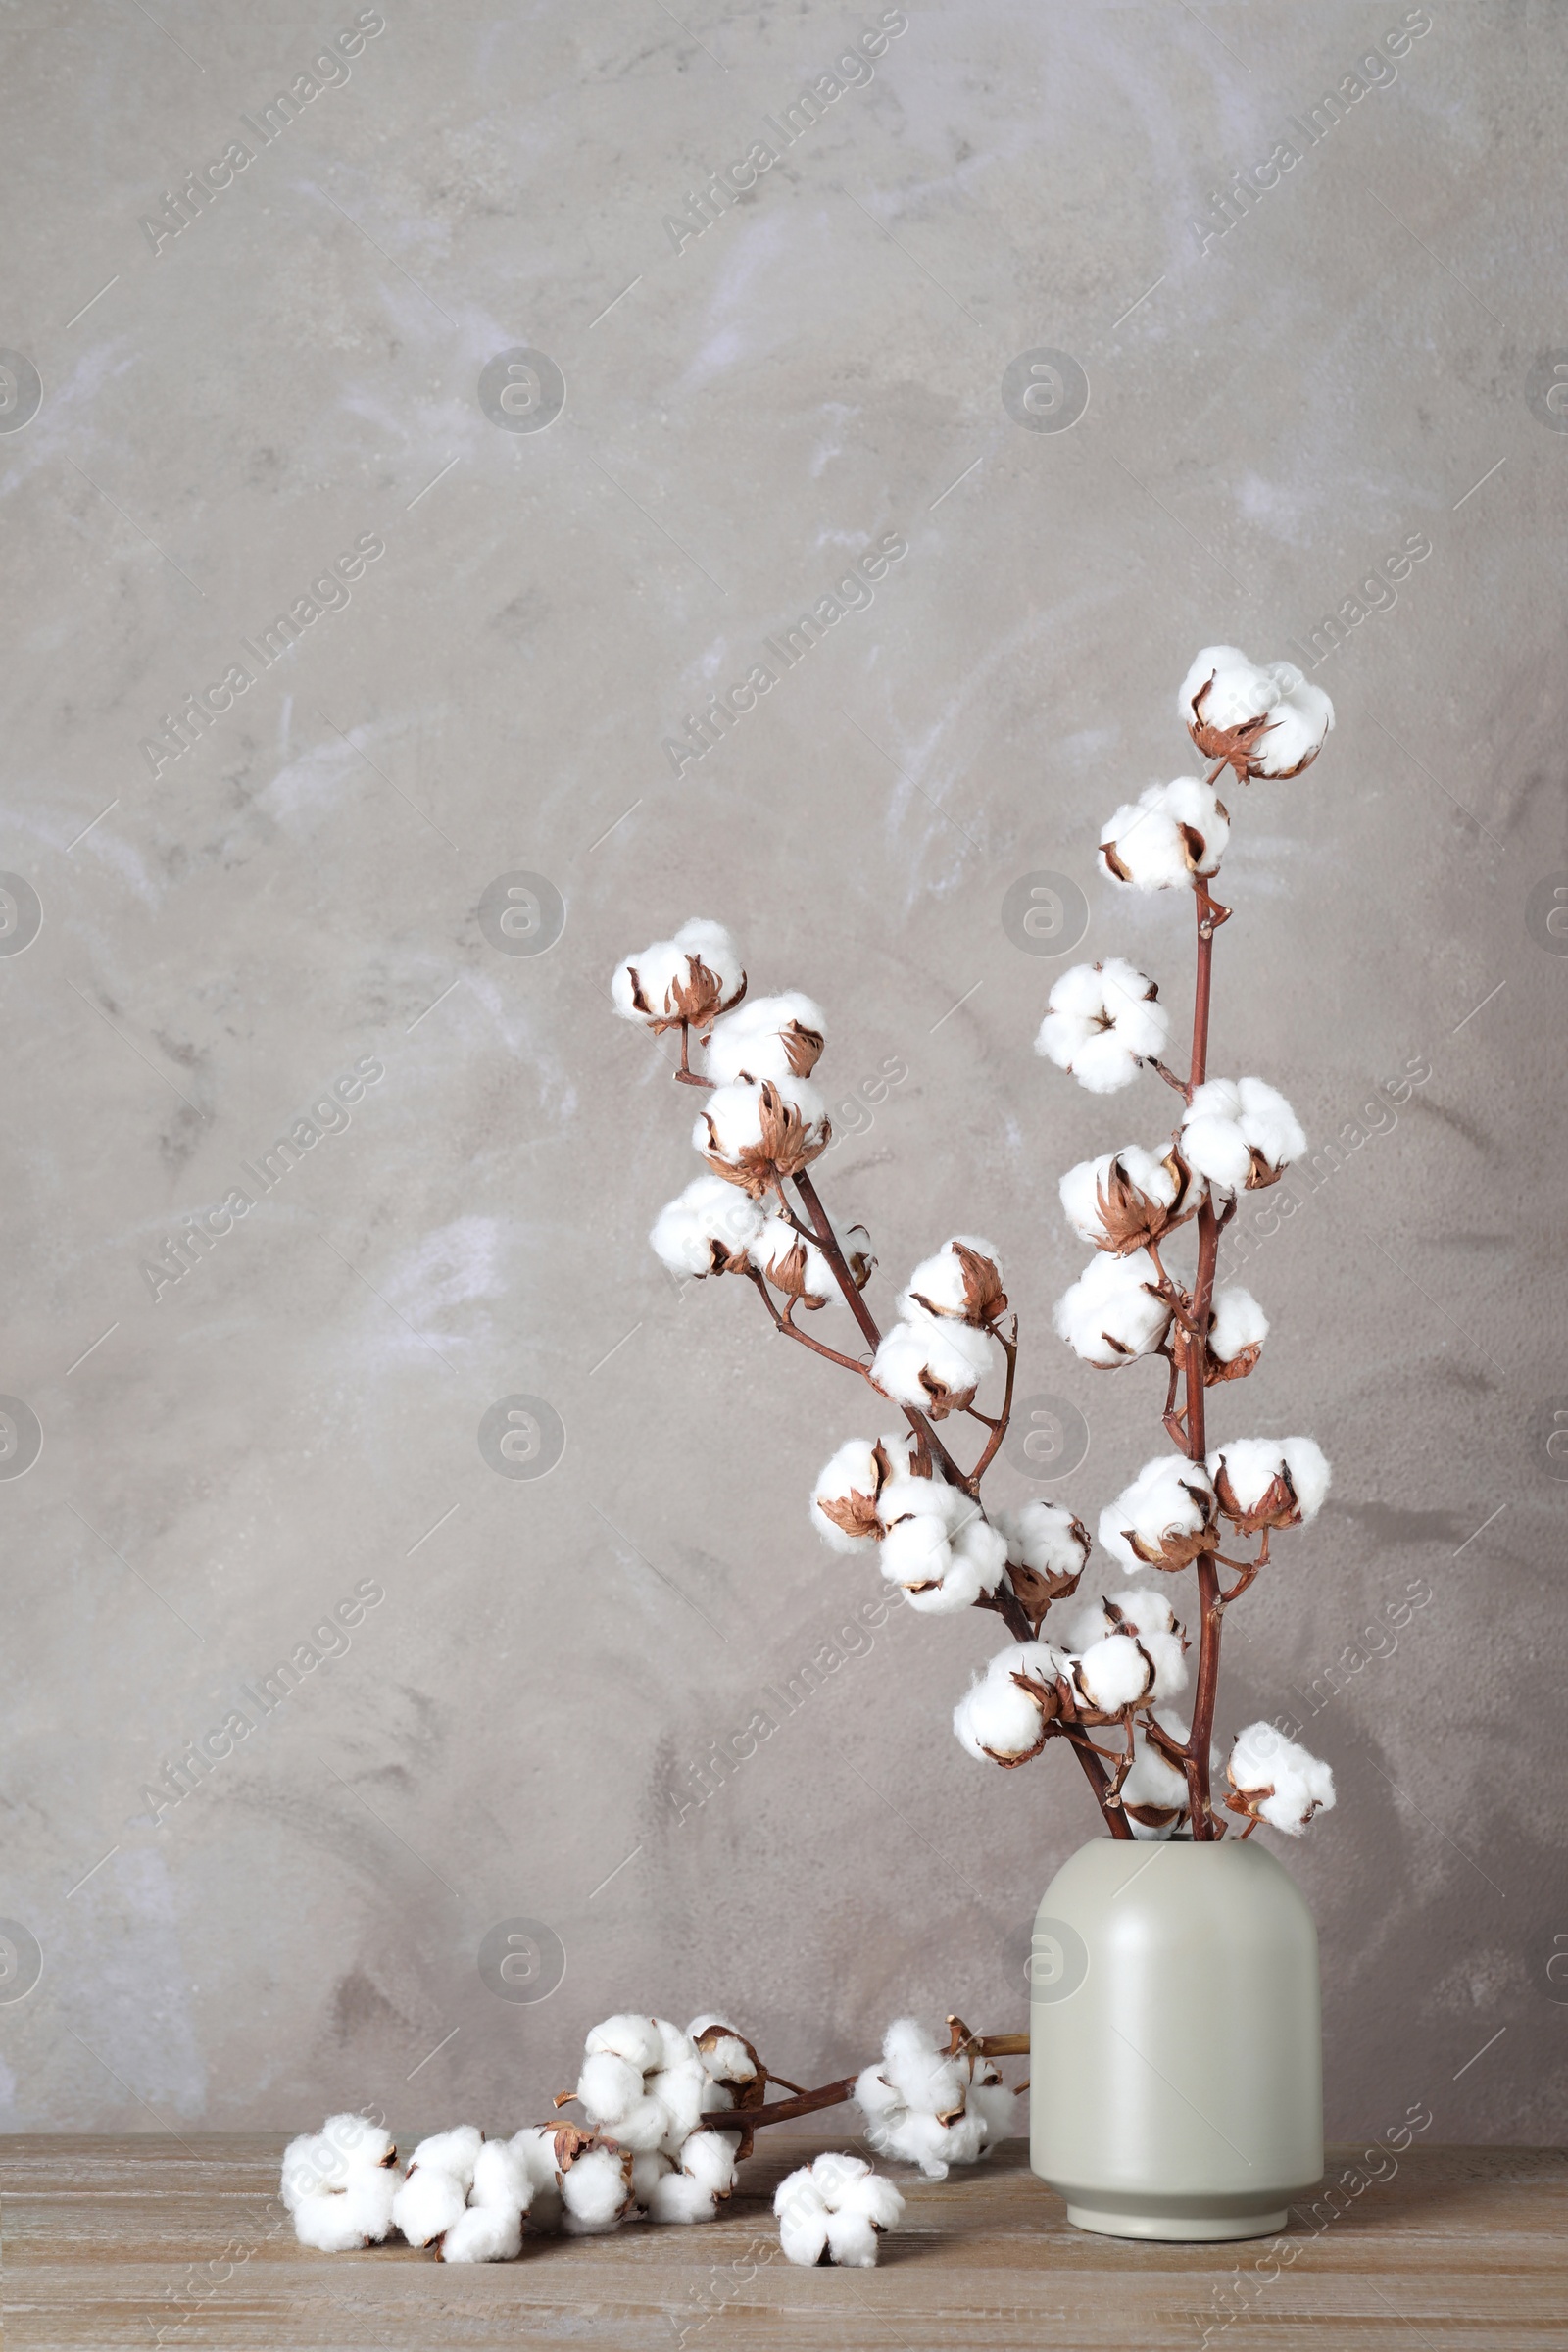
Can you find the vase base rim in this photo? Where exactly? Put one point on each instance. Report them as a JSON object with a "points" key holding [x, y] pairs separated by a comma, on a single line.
{"points": [[1192, 2226]]}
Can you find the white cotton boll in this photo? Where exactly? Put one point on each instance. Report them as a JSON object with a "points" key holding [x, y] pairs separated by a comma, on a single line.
{"points": [[767, 1037], [762, 1131], [501, 2175], [1240, 1133], [1270, 1482], [1196, 808], [709, 2158], [1113, 1311], [1141, 848], [428, 2202], [727, 2056], [1239, 1323], [595, 2191], [932, 1365], [1174, 831], [308, 2166], [1164, 1518], [338, 2220], [1114, 1673], [773, 1253], [535, 2148], [679, 2199], [707, 1228], [1297, 726], [1044, 1537], [682, 2093], [919, 2069], [1278, 1782], [1238, 690], [1168, 1659], [852, 2241], [996, 1720], [641, 987], [649, 2167], [963, 1280], [609, 2087], [1100, 1019], [1308, 1467], [993, 2106], [485, 2233], [629, 2035], [455, 2152], [1133, 1608], [850, 1482], [1096, 1187], [802, 2211]]}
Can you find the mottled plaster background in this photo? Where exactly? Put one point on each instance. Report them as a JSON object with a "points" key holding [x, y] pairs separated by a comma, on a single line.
{"points": [[511, 1732]]}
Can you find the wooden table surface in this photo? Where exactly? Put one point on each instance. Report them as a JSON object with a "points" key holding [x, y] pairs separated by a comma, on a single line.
{"points": [[148, 2240]]}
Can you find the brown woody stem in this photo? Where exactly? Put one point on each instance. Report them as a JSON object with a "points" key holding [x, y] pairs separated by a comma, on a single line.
{"points": [[998, 1427], [686, 1075], [783, 2111], [1194, 1443], [793, 1330]]}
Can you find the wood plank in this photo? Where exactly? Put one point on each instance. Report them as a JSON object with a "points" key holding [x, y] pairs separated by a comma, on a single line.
{"points": [[106, 2242]]}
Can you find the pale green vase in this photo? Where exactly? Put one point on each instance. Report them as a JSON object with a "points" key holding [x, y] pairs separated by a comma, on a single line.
{"points": [[1176, 2070]]}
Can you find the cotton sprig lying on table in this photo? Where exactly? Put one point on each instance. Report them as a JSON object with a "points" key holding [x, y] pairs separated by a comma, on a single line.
{"points": [[341, 2184], [1125, 1199], [1164, 1519], [1263, 720], [930, 2108], [833, 2211], [759, 1133], [768, 1037], [1269, 1482], [1101, 1021], [1241, 1134], [693, 977], [708, 1229], [1114, 1312], [1169, 834], [1273, 1780], [1236, 1335]]}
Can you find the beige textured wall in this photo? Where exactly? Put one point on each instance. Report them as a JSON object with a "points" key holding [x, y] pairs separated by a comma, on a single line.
{"points": [[509, 1733]]}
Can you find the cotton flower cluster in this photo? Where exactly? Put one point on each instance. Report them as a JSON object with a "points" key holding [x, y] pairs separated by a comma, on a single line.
{"points": [[929, 1538], [341, 2184], [1171, 833], [834, 2210], [1240, 1134], [1125, 1199], [1128, 1651], [1276, 1781], [1044, 1540], [1164, 1519], [1114, 1311], [930, 2108], [693, 977], [1101, 1021], [1264, 720], [1269, 1482], [646, 2085], [936, 1356], [468, 2197]]}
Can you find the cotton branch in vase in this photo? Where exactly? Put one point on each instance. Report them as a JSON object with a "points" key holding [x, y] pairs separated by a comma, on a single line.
{"points": [[1104, 1680], [1105, 1024]]}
